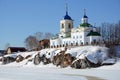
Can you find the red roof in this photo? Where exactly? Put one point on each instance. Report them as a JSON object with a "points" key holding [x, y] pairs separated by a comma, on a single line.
{"points": [[17, 49]]}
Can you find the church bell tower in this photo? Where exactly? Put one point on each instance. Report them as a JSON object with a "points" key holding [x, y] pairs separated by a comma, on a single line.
{"points": [[66, 24], [85, 18]]}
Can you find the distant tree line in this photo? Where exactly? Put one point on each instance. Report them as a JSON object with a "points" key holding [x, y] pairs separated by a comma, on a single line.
{"points": [[110, 33], [32, 41]]}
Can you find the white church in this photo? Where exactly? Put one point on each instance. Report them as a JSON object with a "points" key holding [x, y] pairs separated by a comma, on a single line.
{"points": [[84, 34]]}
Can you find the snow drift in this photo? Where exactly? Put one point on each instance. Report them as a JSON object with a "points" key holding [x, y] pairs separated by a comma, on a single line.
{"points": [[84, 55]]}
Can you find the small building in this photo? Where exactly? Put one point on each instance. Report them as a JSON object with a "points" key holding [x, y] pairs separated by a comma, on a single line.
{"points": [[11, 50], [45, 43]]}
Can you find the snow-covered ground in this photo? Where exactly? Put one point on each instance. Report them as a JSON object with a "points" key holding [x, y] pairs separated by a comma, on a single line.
{"points": [[50, 72], [29, 71]]}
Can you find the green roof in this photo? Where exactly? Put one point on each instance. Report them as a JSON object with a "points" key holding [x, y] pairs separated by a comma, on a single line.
{"points": [[85, 25], [67, 37], [93, 34], [54, 37]]}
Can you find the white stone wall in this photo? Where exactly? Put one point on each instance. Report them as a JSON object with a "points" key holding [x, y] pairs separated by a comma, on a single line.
{"points": [[77, 37], [65, 27], [86, 39], [66, 41], [60, 41], [52, 42], [96, 38], [55, 42]]}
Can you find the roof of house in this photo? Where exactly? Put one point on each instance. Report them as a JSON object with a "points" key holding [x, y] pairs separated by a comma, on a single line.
{"points": [[44, 41], [17, 49], [93, 33]]}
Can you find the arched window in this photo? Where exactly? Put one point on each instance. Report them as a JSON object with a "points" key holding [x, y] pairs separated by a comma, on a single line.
{"points": [[77, 37], [62, 25], [69, 26], [73, 37], [80, 36]]}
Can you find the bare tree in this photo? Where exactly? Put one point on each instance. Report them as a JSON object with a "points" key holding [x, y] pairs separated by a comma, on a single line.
{"points": [[39, 35], [104, 31], [110, 32], [31, 42], [48, 35], [117, 32]]}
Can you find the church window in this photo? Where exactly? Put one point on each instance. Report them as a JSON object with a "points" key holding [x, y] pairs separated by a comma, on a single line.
{"points": [[48, 53], [69, 25], [80, 41], [80, 36], [53, 43], [62, 25], [73, 42], [61, 36], [73, 37], [86, 43], [77, 37], [84, 21], [64, 42], [94, 40], [69, 42]]}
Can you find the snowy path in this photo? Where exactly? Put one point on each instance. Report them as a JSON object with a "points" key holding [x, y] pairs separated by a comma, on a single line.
{"points": [[53, 73]]}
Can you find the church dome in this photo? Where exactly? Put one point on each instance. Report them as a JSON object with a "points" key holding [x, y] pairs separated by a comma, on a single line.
{"points": [[85, 16], [93, 33], [67, 17]]}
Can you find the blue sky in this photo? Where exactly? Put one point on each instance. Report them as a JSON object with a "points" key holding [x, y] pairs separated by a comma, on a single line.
{"points": [[21, 18]]}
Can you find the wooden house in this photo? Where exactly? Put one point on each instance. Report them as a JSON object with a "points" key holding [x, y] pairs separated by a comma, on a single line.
{"points": [[45, 43], [11, 50]]}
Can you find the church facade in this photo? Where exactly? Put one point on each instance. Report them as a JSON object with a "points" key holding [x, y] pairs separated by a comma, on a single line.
{"points": [[84, 34]]}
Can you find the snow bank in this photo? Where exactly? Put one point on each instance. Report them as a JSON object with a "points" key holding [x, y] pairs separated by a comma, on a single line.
{"points": [[93, 53]]}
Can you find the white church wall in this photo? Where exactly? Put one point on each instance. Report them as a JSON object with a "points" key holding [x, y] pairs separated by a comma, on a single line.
{"points": [[95, 39], [77, 37], [55, 42], [86, 39], [66, 41], [52, 42]]}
